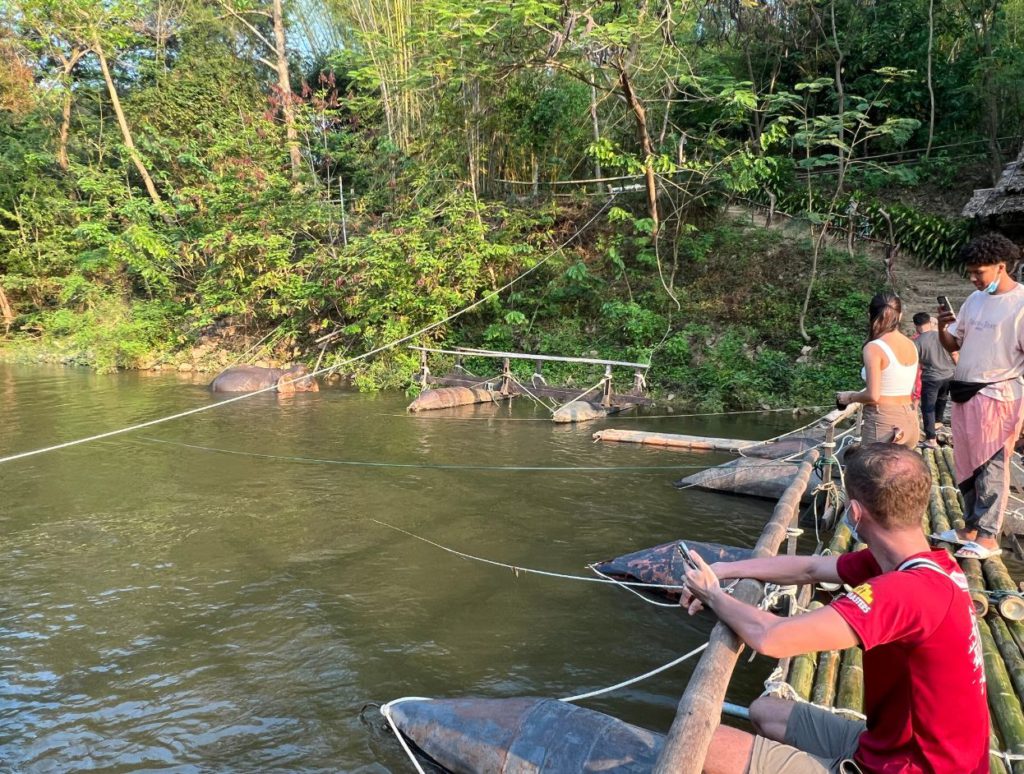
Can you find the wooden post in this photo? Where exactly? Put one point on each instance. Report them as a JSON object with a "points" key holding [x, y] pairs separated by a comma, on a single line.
{"points": [[424, 369], [640, 382], [537, 379], [506, 377], [606, 396], [700, 708]]}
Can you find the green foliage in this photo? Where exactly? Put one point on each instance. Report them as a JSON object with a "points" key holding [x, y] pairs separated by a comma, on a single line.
{"points": [[112, 334], [420, 121]]}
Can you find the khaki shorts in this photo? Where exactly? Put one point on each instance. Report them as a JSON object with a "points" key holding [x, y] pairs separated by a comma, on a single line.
{"points": [[879, 420], [817, 742]]}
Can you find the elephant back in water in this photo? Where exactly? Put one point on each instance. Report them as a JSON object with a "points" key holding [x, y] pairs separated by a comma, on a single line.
{"points": [[579, 411], [523, 735], [252, 378]]}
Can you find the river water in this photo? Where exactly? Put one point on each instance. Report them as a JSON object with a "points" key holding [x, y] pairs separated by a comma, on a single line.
{"points": [[165, 607]]}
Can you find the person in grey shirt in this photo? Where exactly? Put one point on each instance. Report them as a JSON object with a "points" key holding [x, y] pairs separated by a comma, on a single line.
{"points": [[936, 372]]}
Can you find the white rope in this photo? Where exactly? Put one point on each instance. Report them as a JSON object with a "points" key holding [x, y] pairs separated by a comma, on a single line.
{"points": [[529, 394], [777, 438], [776, 686], [638, 678], [313, 374], [385, 710], [516, 569], [1008, 757], [648, 600], [430, 465]]}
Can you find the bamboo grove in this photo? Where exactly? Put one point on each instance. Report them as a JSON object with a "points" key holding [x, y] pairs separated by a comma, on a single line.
{"points": [[355, 169]]}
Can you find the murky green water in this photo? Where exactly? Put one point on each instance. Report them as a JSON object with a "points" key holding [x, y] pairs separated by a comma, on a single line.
{"points": [[166, 608]]}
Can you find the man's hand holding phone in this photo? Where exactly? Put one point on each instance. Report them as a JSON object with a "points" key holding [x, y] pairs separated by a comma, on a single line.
{"points": [[701, 582], [946, 314]]}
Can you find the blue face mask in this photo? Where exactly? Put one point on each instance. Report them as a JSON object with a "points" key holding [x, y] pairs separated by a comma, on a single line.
{"points": [[993, 286], [850, 525]]}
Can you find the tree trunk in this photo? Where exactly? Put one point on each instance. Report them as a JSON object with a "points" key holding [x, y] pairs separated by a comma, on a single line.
{"points": [[65, 123], [6, 311], [992, 104], [931, 85], [284, 85], [841, 103], [597, 132], [123, 123], [645, 144]]}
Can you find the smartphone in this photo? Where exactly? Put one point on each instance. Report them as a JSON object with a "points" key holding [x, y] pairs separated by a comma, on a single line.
{"points": [[684, 551], [944, 303]]}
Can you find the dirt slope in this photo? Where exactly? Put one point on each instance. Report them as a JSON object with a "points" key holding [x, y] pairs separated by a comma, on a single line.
{"points": [[917, 286]]}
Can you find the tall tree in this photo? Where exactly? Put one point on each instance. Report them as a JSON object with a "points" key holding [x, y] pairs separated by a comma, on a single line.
{"points": [[254, 18]]}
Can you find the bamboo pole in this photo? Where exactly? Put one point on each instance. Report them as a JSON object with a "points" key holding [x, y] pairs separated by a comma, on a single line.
{"points": [[699, 710], [936, 503], [975, 585], [1004, 704], [1009, 651], [850, 695], [801, 674], [996, 764], [999, 579], [824, 692], [673, 440], [803, 668], [1017, 632]]}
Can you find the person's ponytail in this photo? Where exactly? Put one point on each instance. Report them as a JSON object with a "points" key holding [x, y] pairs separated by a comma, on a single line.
{"points": [[884, 313]]}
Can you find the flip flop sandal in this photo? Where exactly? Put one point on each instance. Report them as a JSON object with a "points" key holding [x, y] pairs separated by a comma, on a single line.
{"points": [[972, 550], [949, 536]]}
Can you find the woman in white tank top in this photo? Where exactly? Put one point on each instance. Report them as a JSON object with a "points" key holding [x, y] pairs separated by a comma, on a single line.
{"points": [[890, 370]]}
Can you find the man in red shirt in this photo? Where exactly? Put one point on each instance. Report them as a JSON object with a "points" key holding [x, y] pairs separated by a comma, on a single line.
{"points": [[909, 609]]}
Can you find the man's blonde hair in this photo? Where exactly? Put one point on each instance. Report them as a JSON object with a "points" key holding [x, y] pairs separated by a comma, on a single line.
{"points": [[889, 480]]}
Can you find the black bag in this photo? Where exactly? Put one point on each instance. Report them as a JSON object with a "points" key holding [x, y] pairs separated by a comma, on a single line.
{"points": [[961, 392]]}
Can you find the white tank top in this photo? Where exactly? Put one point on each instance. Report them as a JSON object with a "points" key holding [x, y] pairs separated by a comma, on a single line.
{"points": [[897, 379]]}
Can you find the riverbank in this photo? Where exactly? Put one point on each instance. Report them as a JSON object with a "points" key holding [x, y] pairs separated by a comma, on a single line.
{"points": [[721, 331]]}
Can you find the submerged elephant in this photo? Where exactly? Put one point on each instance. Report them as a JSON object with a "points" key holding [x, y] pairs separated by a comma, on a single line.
{"points": [[252, 378]]}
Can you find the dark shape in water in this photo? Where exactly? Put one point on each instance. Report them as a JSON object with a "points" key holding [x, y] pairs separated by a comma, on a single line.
{"points": [[579, 411], [449, 397], [759, 478], [663, 564], [523, 735]]}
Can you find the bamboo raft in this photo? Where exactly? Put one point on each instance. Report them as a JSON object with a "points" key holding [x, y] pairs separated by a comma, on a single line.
{"points": [[520, 734], [835, 680]]}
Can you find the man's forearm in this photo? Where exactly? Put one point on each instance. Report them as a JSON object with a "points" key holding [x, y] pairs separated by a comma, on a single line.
{"points": [[751, 624], [781, 569], [949, 341]]}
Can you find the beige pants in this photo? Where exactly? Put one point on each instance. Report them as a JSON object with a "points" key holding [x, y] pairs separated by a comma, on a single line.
{"points": [[879, 421], [817, 742]]}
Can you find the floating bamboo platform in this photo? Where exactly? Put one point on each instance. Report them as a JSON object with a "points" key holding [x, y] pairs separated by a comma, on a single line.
{"points": [[460, 388], [674, 441], [547, 737], [813, 677]]}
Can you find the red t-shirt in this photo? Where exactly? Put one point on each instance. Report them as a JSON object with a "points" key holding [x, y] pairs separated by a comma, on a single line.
{"points": [[924, 673]]}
